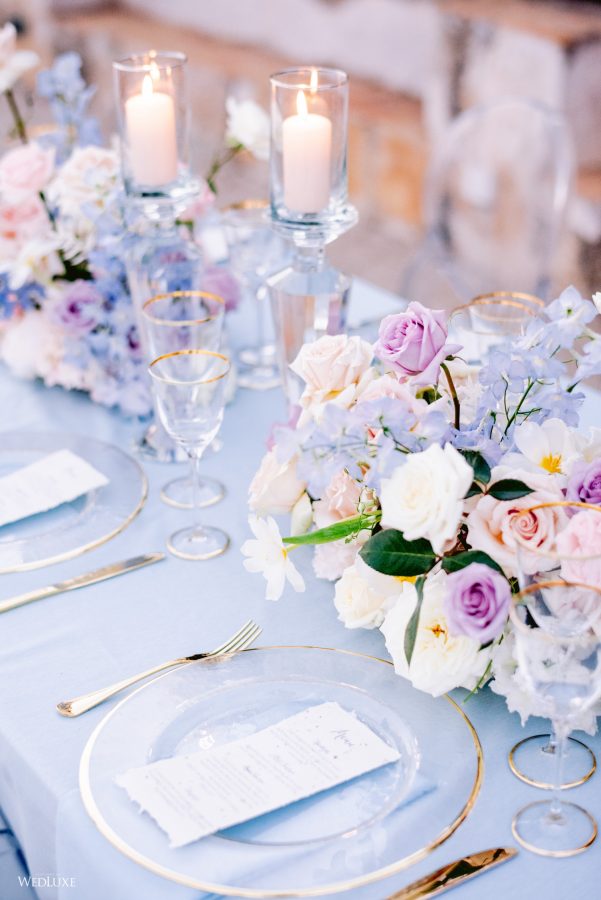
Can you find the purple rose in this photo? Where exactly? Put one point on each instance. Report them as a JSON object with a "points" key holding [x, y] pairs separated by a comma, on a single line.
{"points": [[585, 482], [217, 280], [477, 602], [413, 343], [78, 308]]}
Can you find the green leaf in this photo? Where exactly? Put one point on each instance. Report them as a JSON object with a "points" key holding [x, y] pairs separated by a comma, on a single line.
{"points": [[478, 464], [461, 560], [412, 624], [508, 489], [336, 532], [389, 552], [474, 490]]}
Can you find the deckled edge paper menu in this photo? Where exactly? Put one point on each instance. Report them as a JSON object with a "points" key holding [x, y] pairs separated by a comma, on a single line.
{"points": [[193, 796], [57, 478]]}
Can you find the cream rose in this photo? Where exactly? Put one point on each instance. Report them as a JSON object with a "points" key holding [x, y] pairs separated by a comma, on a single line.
{"points": [[440, 662], [493, 524], [424, 497], [331, 368], [275, 488], [363, 595]]}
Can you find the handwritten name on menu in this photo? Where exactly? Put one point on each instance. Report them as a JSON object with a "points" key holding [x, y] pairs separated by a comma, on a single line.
{"points": [[196, 795], [58, 478]]}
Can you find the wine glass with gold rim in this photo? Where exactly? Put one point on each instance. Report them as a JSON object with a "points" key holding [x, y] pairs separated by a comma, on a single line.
{"points": [[491, 319], [533, 759], [556, 625], [185, 320], [189, 386]]}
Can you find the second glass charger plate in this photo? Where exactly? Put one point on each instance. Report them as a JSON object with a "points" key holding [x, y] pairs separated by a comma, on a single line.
{"points": [[72, 528], [344, 838]]}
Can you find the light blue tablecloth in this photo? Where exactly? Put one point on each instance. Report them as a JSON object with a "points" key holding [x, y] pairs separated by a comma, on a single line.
{"points": [[70, 644]]}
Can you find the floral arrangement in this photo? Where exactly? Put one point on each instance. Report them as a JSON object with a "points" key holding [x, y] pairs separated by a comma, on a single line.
{"points": [[405, 468], [65, 311]]}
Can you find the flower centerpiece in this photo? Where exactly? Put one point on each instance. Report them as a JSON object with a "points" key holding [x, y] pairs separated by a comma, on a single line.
{"points": [[65, 231], [407, 470]]}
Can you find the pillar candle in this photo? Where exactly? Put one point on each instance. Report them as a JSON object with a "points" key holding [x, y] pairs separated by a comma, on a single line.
{"points": [[306, 149], [151, 134]]}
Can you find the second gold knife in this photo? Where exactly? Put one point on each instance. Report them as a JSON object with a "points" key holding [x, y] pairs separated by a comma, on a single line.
{"points": [[454, 873], [119, 568]]}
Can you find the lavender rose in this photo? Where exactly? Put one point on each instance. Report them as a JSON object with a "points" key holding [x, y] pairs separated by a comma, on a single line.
{"points": [[78, 309], [585, 482], [477, 602], [414, 343]]}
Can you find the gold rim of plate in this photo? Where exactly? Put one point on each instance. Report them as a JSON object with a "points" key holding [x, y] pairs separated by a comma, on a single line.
{"points": [[265, 894], [91, 545]]}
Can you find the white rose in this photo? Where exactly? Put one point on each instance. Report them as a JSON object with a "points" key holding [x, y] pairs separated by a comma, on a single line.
{"points": [[440, 662], [363, 595], [424, 497], [248, 124], [332, 368], [275, 488]]}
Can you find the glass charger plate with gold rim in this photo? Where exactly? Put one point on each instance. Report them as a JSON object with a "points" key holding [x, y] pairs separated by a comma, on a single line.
{"points": [[341, 839], [80, 525]]}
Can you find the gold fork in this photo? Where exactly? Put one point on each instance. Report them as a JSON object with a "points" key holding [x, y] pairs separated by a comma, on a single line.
{"points": [[245, 636]]}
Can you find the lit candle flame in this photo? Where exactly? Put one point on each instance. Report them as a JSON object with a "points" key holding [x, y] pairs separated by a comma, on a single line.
{"points": [[147, 88], [313, 81], [301, 104]]}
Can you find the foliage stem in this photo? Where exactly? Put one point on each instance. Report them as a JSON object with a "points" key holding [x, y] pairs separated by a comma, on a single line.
{"points": [[454, 397]]}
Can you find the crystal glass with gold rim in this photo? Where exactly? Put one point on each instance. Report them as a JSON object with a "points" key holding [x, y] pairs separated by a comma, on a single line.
{"points": [[533, 759], [491, 319], [189, 386], [185, 320], [557, 629]]}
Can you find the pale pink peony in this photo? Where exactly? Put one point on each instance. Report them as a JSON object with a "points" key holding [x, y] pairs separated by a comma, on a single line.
{"points": [[25, 171]]}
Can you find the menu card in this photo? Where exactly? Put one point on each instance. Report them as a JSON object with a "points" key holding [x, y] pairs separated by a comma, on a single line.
{"points": [[58, 478], [196, 795]]}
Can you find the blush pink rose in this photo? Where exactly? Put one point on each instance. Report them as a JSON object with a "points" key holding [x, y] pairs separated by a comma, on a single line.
{"points": [[414, 343], [331, 368], [502, 528], [580, 541], [339, 501], [25, 171]]}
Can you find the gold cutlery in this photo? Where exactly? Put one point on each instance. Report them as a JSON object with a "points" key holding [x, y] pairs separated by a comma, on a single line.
{"points": [[454, 873], [238, 641], [119, 568]]}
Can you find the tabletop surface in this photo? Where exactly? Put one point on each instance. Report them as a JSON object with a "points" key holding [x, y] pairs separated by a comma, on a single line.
{"points": [[69, 644]]}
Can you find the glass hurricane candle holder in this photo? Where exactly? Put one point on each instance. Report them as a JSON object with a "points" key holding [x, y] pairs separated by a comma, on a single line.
{"points": [[309, 136], [152, 111]]}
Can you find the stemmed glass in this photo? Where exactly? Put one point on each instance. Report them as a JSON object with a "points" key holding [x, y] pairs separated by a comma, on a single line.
{"points": [[533, 759], [491, 319], [558, 651], [185, 320], [189, 387], [256, 251]]}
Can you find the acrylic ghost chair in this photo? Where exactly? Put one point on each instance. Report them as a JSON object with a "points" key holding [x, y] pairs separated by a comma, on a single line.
{"points": [[495, 196]]}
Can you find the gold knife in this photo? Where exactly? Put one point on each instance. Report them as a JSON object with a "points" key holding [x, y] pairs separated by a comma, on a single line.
{"points": [[454, 873], [119, 568]]}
